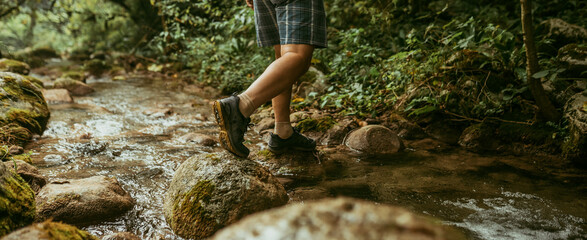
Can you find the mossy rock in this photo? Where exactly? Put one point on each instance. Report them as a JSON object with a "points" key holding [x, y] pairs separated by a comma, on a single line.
{"points": [[575, 146], [45, 52], [14, 134], [75, 75], [17, 201], [210, 191], [574, 57], [22, 103], [8, 65], [96, 67], [50, 231], [315, 125]]}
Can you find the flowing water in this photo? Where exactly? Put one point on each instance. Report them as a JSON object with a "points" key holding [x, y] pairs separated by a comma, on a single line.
{"points": [[134, 130]]}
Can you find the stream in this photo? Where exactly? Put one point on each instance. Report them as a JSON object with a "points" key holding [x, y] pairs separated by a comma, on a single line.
{"points": [[133, 130]]}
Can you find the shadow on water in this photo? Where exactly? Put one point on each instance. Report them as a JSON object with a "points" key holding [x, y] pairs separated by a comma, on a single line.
{"points": [[114, 132]]}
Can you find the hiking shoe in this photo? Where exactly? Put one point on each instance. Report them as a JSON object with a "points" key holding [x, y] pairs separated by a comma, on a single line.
{"points": [[296, 141], [233, 125]]}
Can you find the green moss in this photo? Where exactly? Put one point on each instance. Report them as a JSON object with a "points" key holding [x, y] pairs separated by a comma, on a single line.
{"points": [[190, 220], [60, 231], [24, 118], [575, 146], [23, 157], [7, 65], [17, 203], [13, 134], [318, 125], [213, 157], [266, 154], [75, 75]]}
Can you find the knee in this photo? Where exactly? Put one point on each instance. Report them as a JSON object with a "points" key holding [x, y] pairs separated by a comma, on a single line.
{"points": [[301, 53]]}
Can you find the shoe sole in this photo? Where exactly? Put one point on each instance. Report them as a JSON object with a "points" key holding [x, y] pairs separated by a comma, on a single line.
{"points": [[224, 125]]}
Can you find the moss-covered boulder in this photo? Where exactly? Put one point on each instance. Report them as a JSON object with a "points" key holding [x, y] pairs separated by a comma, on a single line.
{"points": [[83, 201], [13, 66], [22, 108], [341, 218], [17, 201], [27, 172], [50, 231], [97, 67], [574, 58], [44, 52], [479, 138], [76, 88], [210, 191], [75, 75], [575, 147]]}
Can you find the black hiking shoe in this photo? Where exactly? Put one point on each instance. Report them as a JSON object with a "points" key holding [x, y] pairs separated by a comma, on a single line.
{"points": [[233, 125], [296, 141]]}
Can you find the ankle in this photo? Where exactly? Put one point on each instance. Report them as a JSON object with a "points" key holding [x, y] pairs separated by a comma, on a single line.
{"points": [[246, 105], [283, 130]]}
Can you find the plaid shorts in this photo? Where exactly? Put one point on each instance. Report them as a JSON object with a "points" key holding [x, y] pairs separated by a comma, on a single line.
{"points": [[280, 22]]}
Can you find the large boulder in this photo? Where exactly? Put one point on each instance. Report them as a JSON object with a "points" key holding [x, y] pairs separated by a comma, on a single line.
{"points": [[50, 231], [22, 105], [479, 138], [17, 201], [76, 88], [575, 148], [574, 57], [340, 219], [83, 201], [562, 32], [210, 191], [13, 66], [374, 140]]}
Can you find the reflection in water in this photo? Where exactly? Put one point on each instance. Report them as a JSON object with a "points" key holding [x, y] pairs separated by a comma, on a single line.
{"points": [[109, 133]]}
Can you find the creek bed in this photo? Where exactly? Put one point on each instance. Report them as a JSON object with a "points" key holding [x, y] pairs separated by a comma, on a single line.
{"points": [[124, 130]]}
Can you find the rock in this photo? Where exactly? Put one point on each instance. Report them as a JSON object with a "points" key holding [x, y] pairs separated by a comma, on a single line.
{"points": [[561, 32], [29, 173], [479, 138], [83, 201], [75, 75], [56, 96], [210, 191], [121, 236], [265, 124], [340, 219], [575, 147], [96, 67], [575, 59], [76, 88], [443, 131], [17, 201], [50, 231], [298, 116], [158, 112], [374, 140], [45, 52], [22, 106], [201, 139], [336, 134], [13, 66]]}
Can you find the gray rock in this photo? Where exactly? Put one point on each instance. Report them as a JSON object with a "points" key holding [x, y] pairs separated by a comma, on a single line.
{"points": [[337, 219], [265, 124], [575, 59], [29, 173], [210, 191], [336, 134], [575, 148], [374, 140], [561, 31], [17, 201], [298, 116], [201, 139], [56, 96], [76, 88], [83, 201]]}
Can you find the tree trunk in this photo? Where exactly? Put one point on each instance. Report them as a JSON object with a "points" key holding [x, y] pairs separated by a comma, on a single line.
{"points": [[547, 110]]}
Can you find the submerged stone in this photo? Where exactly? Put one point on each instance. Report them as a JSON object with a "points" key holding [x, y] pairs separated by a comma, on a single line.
{"points": [[22, 104], [13, 66], [210, 191], [83, 201], [17, 201], [50, 231], [374, 140], [341, 219]]}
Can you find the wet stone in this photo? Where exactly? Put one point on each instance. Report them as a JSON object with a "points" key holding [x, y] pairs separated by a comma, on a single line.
{"points": [[50, 231], [83, 201], [336, 134], [56, 96], [341, 218], [121, 236], [210, 191], [198, 138], [374, 140], [29, 173]]}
